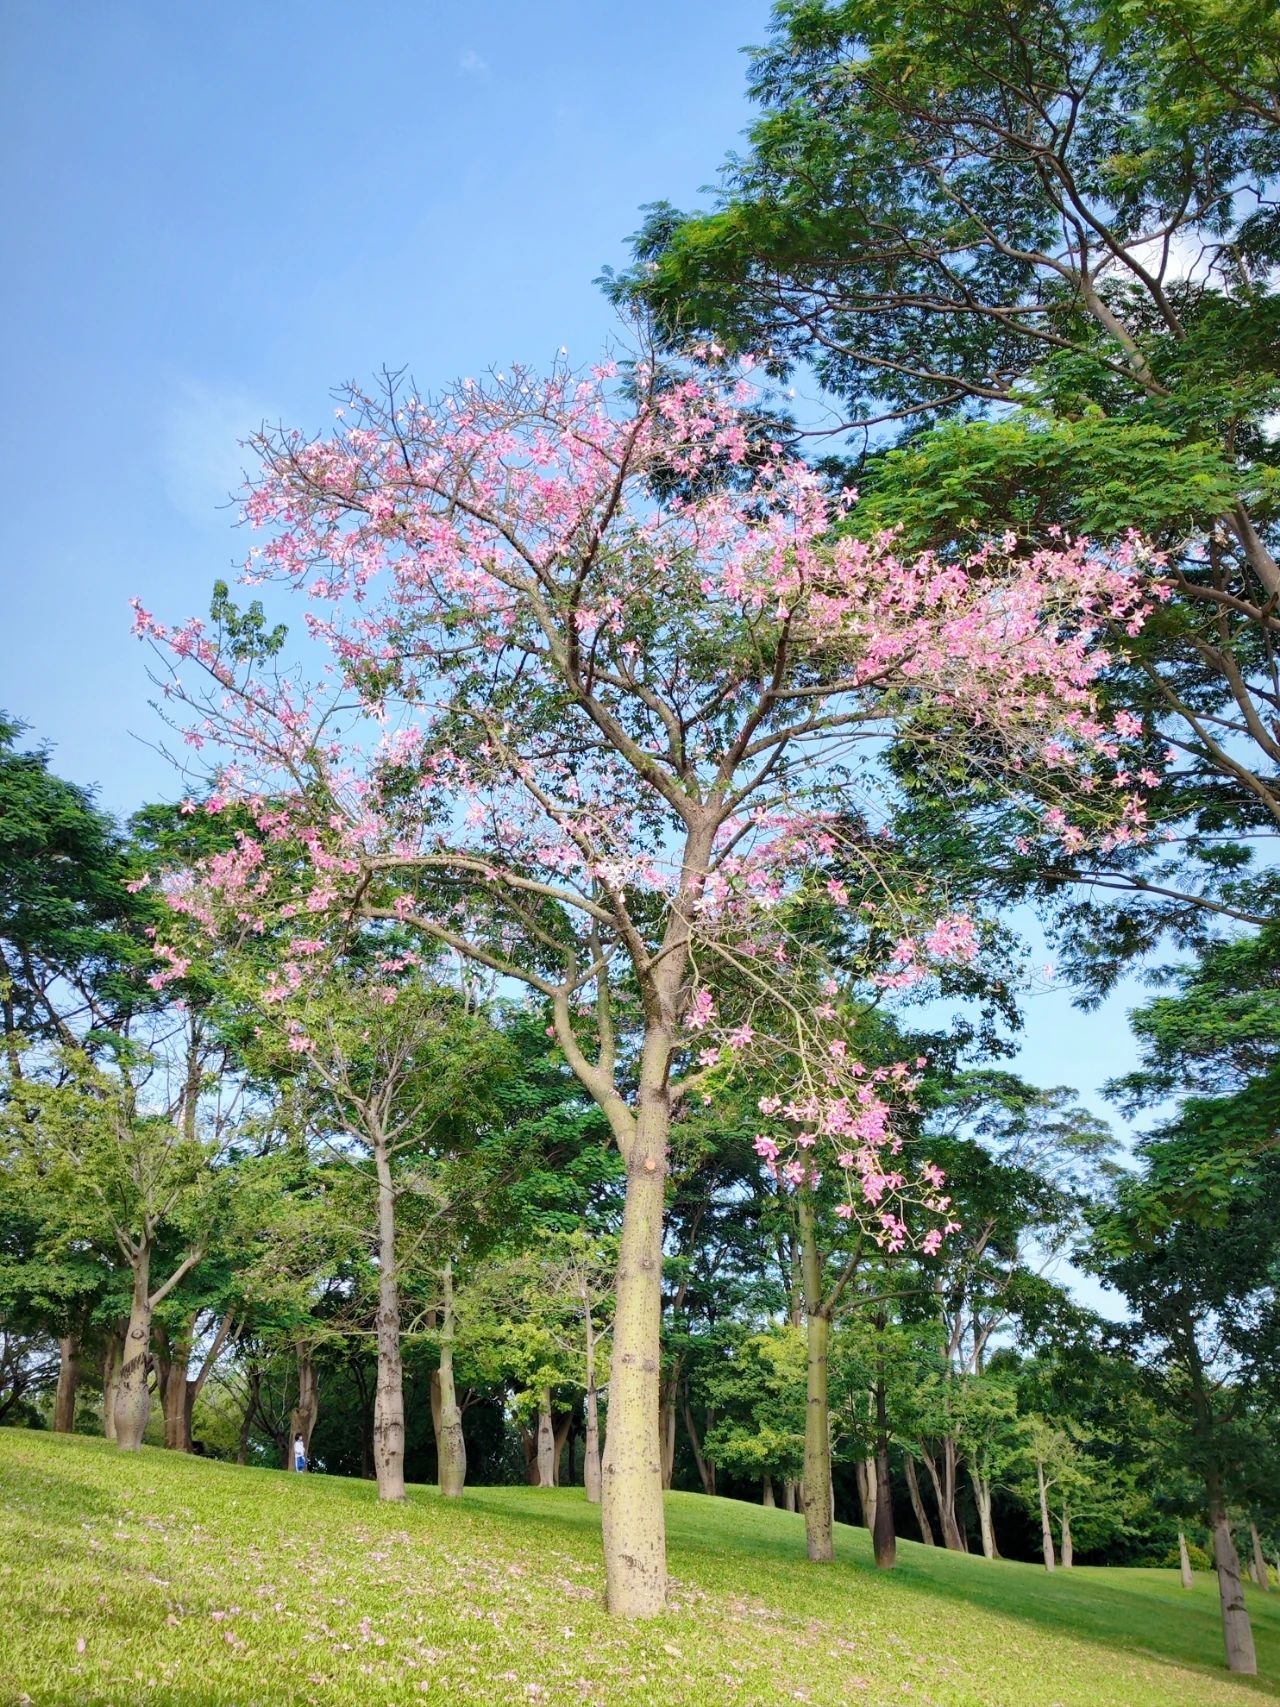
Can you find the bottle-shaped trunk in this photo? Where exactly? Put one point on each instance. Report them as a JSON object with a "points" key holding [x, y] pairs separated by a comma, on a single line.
{"points": [[1184, 1562], [451, 1448], [917, 1504], [133, 1393], [388, 1405], [591, 1457], [1260, 1575], [883, 1535], [632, 1518], [1237, 1632], [1046, 1528], [64, 1401], [815, 1486]]}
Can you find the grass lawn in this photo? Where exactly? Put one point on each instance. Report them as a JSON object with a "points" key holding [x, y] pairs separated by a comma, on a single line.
{"points": [[178, 1581]]}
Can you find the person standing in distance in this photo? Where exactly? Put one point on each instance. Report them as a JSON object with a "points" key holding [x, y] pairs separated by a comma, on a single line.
{"points": [[299, 1453]]}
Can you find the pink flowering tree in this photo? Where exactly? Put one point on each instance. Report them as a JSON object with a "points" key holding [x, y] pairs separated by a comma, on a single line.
{"points": [[597, 691]]}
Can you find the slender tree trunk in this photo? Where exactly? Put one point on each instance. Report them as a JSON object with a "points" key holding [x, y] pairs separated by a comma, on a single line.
{"points": [[917, 1504], [864, 1474], [766, 1491], [111, 1380], [1237, 1632], [591, 1458], [64, 1403], [451, 1447], [884, 1537], [667, 1423], [1259, 1560], [546, 1436], [1046, 1528], [633, 1522], [177, 1436], [1184, 1562], [560, 1435], [706, 1471], [388, 1408], [246, 1421], [946, 1505], [133, 1394], [815, 1486], [1068, 1552], [982, 1499], [949, 1482], [302, 1419]]}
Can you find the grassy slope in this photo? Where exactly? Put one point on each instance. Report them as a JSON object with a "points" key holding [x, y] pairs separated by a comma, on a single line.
{"points": [[181, 1582]]}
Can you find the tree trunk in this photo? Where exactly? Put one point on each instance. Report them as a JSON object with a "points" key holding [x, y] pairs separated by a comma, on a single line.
{"points": [[451, 1447], [246, 1422], [591, 1458], [546, 1437], [1237, 1632], [64, 1403], [133, 1395], [766, 1493], [1068, 1554], [944, 1496], [706, 1472], [302, 1419], [633, 1522], [815, 1486], [559, 1436], [982, 1499], [177, 1432], [1259, 1560], [1184, 1562], [111, 1381], [790, 1493], [388, 1407], [864, 1476], [667, 1424], [1046, 1528], [917, 1504], [884, 1538]]}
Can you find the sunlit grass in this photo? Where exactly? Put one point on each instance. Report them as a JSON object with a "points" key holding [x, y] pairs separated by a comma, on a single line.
{"points": [[173, 1580]]}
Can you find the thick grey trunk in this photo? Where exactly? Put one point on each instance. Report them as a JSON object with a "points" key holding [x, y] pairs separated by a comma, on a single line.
{"points": [[546, 1441], [766, 1494], [177, 1409], [632, 1517], [388, 1405], [64, 1403], [1184, 1562], [917, 1504], [789, 1494], [1046, 1528], [133, 1394], [1237, 1632]]}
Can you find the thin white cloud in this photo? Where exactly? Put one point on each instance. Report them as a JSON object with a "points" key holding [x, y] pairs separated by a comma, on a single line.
{"points": [[471, 64], [202, 461]]}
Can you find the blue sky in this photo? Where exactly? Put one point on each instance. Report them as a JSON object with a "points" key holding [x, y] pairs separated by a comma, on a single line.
{"points": [[218, 211]]}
